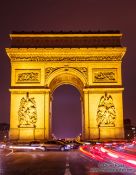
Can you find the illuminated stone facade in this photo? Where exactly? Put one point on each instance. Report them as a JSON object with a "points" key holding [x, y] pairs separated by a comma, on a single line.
{"points": [[41, 62]]}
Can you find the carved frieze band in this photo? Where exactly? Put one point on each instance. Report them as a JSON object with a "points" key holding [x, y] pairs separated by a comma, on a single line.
{"points": [[104, 75], [27, 75], [66, 54], [67, 59], [82, 70]]}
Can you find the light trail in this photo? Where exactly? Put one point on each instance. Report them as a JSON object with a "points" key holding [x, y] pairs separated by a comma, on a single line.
{"points": [[26, 147], [97, 157], [101, 153]]}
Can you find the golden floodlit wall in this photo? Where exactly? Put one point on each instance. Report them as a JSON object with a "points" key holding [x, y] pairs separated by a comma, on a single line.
{"points": [[36, 72]]}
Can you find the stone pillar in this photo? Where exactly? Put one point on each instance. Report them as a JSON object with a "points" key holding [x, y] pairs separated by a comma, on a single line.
{"points": [[47, 114], [82, 116], [94, 132], [14, 131], [50, 117], [113, 130], [86, 115], [27, 132]]}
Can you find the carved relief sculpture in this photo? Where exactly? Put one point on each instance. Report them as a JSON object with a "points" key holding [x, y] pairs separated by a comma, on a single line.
{"points": [[106, 112], [27, 75], [104, 75], [27, 112], [82, 70]]}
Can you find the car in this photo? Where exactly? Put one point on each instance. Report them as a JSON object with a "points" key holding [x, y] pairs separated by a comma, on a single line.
{"points": [[55, 145], [75, 144], [35, 143], [2, 145]]}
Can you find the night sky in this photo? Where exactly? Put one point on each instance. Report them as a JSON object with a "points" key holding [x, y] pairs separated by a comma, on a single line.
{"points": [[69, 15]]}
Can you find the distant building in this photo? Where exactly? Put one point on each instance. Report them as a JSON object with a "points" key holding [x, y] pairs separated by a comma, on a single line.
{"points": [[4, 131], [130, 130]]}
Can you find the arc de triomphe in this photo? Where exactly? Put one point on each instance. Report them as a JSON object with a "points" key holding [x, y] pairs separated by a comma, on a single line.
{"points": [[41, 62]]}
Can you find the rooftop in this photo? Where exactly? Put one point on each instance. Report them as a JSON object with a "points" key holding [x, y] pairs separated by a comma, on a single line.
{"points": [[63, 39]]}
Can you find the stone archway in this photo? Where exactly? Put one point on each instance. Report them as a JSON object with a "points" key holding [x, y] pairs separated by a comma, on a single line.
{"points": [[69, 79], [66, 112], [41, 62]]}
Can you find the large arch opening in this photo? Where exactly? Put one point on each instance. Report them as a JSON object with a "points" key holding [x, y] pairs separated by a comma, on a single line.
{"points": [[66, 112]]}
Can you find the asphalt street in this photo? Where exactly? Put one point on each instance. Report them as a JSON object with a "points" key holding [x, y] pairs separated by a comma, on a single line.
{"points": [[57, 163]]}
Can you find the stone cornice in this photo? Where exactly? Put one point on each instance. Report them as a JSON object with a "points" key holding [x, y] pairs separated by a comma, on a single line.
{"points": [[66, 54], [67, 35], [31, 91], [98, 90]]}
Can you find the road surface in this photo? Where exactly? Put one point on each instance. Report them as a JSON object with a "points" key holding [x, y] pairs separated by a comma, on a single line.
{"points": [[57, 163]]}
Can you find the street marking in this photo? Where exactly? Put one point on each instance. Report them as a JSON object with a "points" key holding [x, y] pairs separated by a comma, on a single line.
{"points": [[10, 153], [67, 164], [1, 164], [67, 159], [67, 172]]}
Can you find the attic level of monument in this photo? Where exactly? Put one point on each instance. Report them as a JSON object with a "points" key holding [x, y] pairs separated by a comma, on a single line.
{"points": [[66, 47], [67, 40]]}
